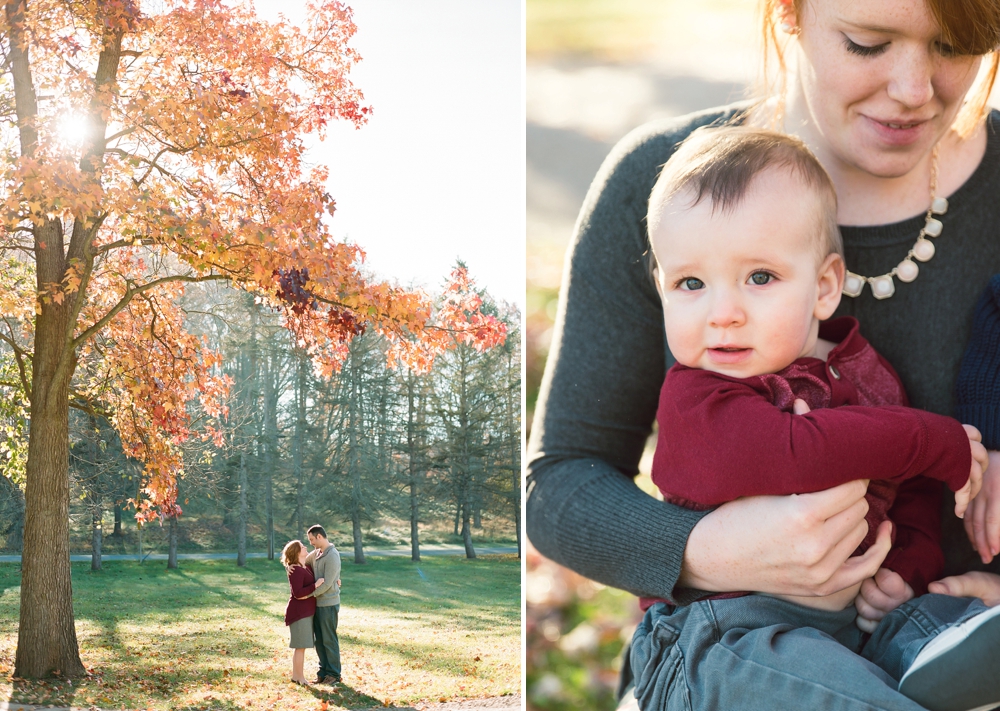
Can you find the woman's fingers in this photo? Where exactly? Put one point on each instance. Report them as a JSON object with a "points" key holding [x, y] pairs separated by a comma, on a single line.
{"points": [[982, 519], [975, 528], [857, 568], [790, 545], [830, 502]]}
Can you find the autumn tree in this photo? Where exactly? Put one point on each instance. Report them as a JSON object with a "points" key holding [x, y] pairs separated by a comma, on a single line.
{"points": [[153, 148]]}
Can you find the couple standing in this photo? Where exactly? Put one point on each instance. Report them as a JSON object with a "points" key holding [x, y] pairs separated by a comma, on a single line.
{"points": [[314, 605]]}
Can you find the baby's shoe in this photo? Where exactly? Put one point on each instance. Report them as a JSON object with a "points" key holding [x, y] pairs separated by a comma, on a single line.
{"points": [[959, 670]]}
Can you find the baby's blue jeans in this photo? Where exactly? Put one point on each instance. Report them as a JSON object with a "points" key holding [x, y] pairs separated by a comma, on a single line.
{"points": [[761, 653]]}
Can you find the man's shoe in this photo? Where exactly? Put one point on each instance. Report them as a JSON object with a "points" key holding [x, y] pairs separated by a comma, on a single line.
{"points": [[958, 669], [331, 680]]}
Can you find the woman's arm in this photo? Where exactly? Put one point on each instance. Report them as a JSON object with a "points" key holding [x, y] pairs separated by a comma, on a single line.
{"points": [[595, 411], [297, 577]]}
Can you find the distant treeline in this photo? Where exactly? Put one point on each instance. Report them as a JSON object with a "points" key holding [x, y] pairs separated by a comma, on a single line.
{"points": [[370, 443]]}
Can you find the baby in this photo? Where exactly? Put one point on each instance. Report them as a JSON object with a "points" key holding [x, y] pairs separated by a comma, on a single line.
{"points": [[767, 400]]}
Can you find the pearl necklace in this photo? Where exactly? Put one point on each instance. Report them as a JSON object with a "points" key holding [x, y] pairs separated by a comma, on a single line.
{"points": [[923, 249]]}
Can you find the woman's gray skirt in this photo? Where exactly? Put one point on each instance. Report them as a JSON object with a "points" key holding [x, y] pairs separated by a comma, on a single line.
{"points": [[302, 633]]}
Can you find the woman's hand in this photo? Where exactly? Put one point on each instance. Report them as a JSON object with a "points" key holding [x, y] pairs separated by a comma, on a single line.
{"points": [[785, 545], [982, 519], [985, 586], [979, 464], [319, 581]]}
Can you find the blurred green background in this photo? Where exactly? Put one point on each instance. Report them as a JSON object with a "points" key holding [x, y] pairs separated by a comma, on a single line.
{"points": [[595, 70]]}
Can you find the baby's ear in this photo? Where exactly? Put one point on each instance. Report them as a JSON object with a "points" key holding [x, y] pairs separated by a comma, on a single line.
{"points": [[829, 287]]}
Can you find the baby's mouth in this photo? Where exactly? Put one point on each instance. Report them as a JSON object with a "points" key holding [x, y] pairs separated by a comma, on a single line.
{"points": [[728, 354]]}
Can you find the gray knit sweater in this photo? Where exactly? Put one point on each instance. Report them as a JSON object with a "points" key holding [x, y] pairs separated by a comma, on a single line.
{"points": [[608, 357], [326, 565]]}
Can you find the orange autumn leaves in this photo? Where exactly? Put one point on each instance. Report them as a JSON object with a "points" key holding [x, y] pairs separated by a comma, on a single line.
{"points": [[200, 174]]}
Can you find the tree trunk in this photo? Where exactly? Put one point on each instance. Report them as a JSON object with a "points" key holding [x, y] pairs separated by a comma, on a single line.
{"points": [[95, 494], [470, 552], [359, 549], [117, 533], [241, 537], [411, 445], [95, 540], [172, 555], [46, 642], [513, 438], [300, 426], [458, 516], [270, 445], [414, 520], [354, 464], [467, 478], [268, 503]]}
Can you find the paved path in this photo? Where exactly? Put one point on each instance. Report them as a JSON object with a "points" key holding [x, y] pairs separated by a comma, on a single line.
{"points": [[399, 551]]}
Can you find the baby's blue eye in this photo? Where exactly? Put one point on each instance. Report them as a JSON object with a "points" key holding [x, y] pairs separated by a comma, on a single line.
{"points": [[692, 284], [760, 278]]}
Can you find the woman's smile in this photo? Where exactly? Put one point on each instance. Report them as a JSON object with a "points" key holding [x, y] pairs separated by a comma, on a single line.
{"points": [[896, 132]]}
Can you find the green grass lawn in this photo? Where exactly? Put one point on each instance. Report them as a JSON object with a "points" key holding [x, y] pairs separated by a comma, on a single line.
{"points": [[211, 635]]}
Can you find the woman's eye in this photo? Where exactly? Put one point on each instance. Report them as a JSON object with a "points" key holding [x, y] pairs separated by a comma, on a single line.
{"points": [[760, 278], [945, 50], [864, 50], [692, 284]]}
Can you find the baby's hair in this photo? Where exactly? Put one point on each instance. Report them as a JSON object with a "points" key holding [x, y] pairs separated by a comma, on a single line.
{"points": [[720, 163]]}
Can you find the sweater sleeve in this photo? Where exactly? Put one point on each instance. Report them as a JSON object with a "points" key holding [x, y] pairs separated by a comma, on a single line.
{"points": [[916, 517], [721, 439], [296, 580], [977, 389], [598, 396]]}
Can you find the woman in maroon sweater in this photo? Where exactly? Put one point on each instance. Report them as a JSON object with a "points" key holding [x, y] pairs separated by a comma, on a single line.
{"points": [[301, 605]]}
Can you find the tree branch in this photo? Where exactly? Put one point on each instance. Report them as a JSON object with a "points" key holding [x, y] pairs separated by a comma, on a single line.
{"points": [[132, 292], [19, 356]]}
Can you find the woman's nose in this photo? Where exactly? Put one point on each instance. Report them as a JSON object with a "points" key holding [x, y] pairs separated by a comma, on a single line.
{"points": [[911, 82]]}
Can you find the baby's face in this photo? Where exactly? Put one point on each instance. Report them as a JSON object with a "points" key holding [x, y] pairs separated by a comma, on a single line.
{"points": [[743, 292]]}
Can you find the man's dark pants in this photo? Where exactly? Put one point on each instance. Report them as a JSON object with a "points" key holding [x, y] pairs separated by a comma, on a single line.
{"points": [[327, 644]]}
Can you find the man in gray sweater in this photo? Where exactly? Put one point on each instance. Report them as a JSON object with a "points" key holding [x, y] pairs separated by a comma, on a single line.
{"points": [[325, 562]]}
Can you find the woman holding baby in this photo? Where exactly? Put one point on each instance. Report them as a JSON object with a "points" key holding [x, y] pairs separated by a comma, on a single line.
{"points": [[890, 95]]}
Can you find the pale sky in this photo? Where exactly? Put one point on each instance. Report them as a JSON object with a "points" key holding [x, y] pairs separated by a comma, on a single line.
{"points": [[437, 174]]}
